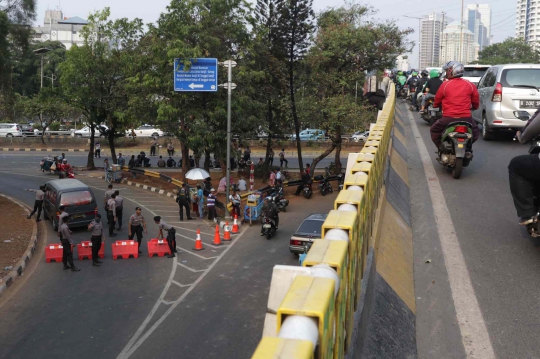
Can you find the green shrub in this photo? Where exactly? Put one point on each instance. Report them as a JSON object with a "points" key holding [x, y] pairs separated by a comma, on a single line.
{"points": [[55, 126]]}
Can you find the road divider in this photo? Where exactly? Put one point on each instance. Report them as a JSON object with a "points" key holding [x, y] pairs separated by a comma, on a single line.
{"points": [[158, 247], [125, 249], [84, 250]]}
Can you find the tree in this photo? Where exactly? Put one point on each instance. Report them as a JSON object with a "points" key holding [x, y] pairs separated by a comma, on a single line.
{"points": [[510, 51]]}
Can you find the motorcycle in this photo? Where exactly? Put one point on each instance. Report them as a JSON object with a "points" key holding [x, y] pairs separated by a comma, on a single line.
{"points": [[454, 152], [341, 180], [402, 92], [307, 191], [431, 114], [324, 184], [280, 200], [410, 93]]}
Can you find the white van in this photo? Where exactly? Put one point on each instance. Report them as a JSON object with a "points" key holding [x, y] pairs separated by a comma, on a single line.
{"points": [[85, 131], [10, 130]]}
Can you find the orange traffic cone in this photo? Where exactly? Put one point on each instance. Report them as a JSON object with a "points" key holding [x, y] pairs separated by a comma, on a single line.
{"points": [[235, 225], [217, 239], [198, 242], [227, 235]]}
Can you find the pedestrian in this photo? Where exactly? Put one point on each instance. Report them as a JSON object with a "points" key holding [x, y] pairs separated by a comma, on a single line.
{"points": [[121, 160], [161, 162], [308, 169], [170, 149], [200, 201], [279, 177], [119, 201], [261, 162], [171, 235], [236, 201], [153, 144], [106, 166], [111, 214], [38, 203], [171, 163], [183, 200], [136, 226], [242, 184], [132, 165], [211, 204], [282, 159], [271, 157], [106, 199], [96, 226], [222, 184], [207, 183], [97, 149], [67, 242], [272, 178], [61, 216], [247, 154]]}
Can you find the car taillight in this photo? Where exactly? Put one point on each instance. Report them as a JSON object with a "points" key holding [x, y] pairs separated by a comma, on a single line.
{"points": [[497, 94], [296, 243], [17, 128], [461, 129]]}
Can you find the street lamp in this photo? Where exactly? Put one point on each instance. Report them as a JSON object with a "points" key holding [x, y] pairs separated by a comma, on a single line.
{"points": [[52, 78], [42, 52], [419, 34]]}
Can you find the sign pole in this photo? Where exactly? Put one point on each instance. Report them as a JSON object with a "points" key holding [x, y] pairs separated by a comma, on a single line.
{"points": [[229, 95]]}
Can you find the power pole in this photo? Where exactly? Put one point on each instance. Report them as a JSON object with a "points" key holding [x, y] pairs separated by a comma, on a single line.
{"points": [[461, 35], [440, 37], [419, 35]]}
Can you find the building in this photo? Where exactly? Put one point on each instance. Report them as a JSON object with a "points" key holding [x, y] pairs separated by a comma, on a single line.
{"points": [[431, 27], [526, 19], [452, 49], [56, 27], [485, 18], [473, 22], [402, 64]]}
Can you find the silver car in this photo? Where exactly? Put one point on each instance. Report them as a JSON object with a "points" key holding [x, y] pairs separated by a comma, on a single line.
{"points": [[503, 90]]}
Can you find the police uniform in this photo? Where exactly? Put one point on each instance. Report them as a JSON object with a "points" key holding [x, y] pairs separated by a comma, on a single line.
{"points": [[60, 221], [171, 235], [97, 236], [67, 254], [119, 207], [108, 195], [136, 227], [38, 203], [183, 201], [111, 213]]}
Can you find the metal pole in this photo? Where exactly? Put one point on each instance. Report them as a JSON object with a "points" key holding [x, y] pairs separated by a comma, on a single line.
{"points": [[229, 95], [356, 93], [419, 40], [41, 70], [461, 35]]}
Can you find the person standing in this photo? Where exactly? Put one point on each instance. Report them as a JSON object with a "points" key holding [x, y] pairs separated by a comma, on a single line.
{"points": [[121, 160], [38, 203], [119, 208], [153, 144], [200, 201], [106, 199], [170, 149], [171, 234], [183, 200], [308, 169], [247, 154], [132, 165], [111, 214], [67, 242], [283, 159], [272, 178], [136, 226], [211, 204], [61, 216], [97, 149], [279, 177], [271, 157], [96, 226]]}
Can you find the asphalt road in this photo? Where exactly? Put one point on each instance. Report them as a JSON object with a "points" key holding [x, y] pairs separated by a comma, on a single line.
{"points": [[501, 258], [207, 304]]}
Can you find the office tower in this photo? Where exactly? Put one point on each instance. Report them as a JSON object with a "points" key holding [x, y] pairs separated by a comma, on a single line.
{"points": [[526, 19], [431, 28], [475, 19], [458, 44]]}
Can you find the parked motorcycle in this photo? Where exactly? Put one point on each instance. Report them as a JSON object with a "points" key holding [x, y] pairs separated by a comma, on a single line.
{"points": [[455, 151], [324, 184], [307, 191], [341, 180], [431, 114]]}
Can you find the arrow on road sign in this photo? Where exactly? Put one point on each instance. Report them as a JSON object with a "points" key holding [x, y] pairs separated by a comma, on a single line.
{"points": [[193, 86]]}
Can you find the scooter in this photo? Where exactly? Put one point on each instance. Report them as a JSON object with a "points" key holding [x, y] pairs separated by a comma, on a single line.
{"points": [[341, 180], [324, 184], [431, 114], [402, 92], [307, 191], [455, 150], [280, 199]]}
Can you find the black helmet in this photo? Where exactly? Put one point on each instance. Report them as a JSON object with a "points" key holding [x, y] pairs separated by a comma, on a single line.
{"points": [[453, 69], [425, 73]]}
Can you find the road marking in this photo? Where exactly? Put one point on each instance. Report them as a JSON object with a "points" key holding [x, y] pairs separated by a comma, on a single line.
{"points": [[190, 269], [193, 254], [191, 230], [474, 334], [182, 285], [208, 244], [133, 344]]}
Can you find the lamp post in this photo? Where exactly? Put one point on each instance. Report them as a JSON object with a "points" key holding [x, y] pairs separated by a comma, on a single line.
{"points": [[52, 77], [419, 35], [42, 52]]}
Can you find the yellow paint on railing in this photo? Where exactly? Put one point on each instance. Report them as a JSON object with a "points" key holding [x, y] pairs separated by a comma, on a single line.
{"points": [[280, 348], [361, 167]]}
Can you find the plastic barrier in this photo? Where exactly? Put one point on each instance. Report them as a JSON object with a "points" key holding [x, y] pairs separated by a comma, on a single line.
{"points": [[159, 247], [53, 252], [125, 249], [361, 167], [272, 348], [84, 250]]}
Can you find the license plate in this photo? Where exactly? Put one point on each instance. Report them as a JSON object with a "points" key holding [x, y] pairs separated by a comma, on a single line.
{"points": [[77, 216], [529, 103], [267, 226], [460, 146]]}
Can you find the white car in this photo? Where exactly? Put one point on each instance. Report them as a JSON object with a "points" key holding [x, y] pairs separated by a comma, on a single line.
{"points": [[146, 131], [85, 131], [10, 130], [360, 136]]}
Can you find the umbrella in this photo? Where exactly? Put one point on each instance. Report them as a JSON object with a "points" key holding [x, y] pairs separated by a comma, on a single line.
{"points": [[197, 174]]}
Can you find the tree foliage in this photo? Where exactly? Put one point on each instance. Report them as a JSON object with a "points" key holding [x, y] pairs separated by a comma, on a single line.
{"points": [[510, 51]]}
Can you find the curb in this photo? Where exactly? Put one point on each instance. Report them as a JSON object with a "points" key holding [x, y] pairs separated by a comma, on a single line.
{"points": [[42, 150], [148, 188], [18, 269]]}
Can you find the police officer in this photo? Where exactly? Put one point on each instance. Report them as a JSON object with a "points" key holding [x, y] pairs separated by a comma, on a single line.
{"points": [[67, 242], [119, 207], [62, 214], [171, 234], [136, 226], [183, 200], [111, 214], [107, 197], [97, 237], [38, 203]]}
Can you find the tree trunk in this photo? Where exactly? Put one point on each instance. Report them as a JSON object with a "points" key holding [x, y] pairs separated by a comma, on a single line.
{"points": [[338, 143], [321, 157], [269, 140], [197, 157], [110, 139], [295, 115], [90, 161], [224, 167], [207, 160], [185, 160]]}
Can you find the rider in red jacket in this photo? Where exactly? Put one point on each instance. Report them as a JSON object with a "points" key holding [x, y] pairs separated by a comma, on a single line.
{"points": [[457, 97]]}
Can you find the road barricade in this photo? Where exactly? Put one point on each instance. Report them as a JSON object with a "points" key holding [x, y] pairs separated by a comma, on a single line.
{"points": [[84, 250], [159, 247], [125, 249], [53, 252]]}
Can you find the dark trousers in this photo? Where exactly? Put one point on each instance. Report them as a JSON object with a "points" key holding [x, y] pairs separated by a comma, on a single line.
{"points": [[524, 173], [137, 230], [170, 152], [281, 160], [152, 150], [67, 254], [212, 212], [181, 206], [96, 246], [171, 240], [119, 216], [271, 160], [299, 189], [38, 205], [110, 217], [97, 153]]}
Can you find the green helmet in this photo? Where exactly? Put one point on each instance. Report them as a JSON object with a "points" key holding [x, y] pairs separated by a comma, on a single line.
{"points": [[434, 73], [414, 73], [400, 73]]}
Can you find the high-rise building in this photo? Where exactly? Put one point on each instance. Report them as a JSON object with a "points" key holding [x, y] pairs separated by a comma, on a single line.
{"points": [[458, 44], [527, 18], [56, 27], [402, 64], [431, 28], [475, 23]]}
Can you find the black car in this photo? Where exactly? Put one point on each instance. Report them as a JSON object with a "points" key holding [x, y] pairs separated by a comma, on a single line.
{"points": [[309, 230]]}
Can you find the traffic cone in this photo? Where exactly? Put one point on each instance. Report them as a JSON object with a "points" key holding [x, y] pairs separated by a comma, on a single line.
{"points": [[227, 235], [217, 240], [198, 242], [235, 225]]}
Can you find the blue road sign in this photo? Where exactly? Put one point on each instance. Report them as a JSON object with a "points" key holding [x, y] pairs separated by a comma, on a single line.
{"points": [[201, 77]]}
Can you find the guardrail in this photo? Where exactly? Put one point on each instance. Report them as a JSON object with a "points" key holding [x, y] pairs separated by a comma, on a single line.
{"points": [[311, 308]]}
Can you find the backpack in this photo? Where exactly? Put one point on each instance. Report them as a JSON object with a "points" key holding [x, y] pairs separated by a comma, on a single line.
{"points": [[414, 82]]}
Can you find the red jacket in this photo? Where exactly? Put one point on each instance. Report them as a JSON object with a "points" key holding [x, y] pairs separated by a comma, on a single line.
{"points": [[457, 95]]}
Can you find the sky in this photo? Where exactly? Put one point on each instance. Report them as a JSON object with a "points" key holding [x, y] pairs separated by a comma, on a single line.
{"points": [[503, 12]]}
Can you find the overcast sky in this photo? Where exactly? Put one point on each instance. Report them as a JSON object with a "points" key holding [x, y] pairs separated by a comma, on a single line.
{"points": [[503, 12]]}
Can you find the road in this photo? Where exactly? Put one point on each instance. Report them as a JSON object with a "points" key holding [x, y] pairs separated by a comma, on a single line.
{"points": [[500, 260], [207, 304]]}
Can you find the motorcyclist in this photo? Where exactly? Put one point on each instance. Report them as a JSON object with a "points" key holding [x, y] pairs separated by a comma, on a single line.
{"points": [[401, 80], [457, 96], [270, 210], [65, 168], [419, 89], [413, 81], [524, 173], [431, 88], [306, 179]]}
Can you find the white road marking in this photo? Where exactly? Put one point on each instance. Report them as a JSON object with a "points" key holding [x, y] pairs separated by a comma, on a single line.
{"points": [[474, 334], [193, 240], [192, 253], [189, 268], [182, 285]]}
